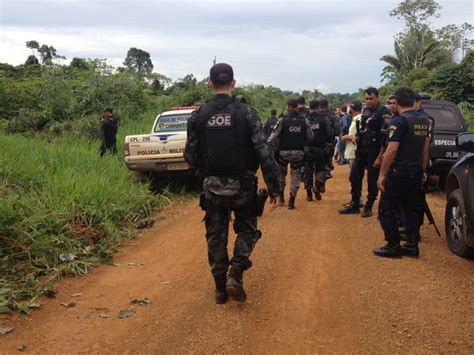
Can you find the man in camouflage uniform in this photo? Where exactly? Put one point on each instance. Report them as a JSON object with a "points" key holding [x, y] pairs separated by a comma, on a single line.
{"points": [[315, 153], [227, 142], [271, 122], [290, 135], [334, 129]]}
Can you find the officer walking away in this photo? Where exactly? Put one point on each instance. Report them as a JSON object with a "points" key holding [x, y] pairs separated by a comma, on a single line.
{"points": [[368, 148], [289, 137], [403, 166], [108, 128], [334, 129], [227, 142], [271, 122], [315, 153]]}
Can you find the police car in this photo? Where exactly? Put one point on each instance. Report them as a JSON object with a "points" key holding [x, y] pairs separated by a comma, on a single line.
{"points": [[161, 151], [449, 122], [459, 214]]}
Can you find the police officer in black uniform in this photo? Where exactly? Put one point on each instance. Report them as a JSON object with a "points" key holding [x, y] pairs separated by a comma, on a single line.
{"points": [[315, 167], [227, 142], [271, 122], [334, 128], [108, 129], [404, 163], [301, 107], [368, 148]]}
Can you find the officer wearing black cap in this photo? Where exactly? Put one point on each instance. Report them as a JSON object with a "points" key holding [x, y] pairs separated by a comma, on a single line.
{"points": [[368, 148], [108, 129], [404, 162], [301, 106], [315, 153], [225, 139], [289, 137]]}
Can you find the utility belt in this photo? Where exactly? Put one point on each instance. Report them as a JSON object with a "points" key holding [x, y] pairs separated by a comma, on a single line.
{"points": [[248, 183], [404, 168]]}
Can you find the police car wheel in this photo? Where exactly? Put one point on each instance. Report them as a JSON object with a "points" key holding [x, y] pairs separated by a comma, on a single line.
{"points": [[456, 227]]}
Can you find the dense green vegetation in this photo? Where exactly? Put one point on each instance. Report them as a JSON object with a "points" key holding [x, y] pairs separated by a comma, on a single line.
{"points": [[64, 209]]}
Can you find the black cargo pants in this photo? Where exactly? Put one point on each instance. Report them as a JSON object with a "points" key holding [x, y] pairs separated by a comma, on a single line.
{"points": [[401, 191], [365, 160]]}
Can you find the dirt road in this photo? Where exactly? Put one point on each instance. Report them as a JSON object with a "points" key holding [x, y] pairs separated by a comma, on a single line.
{"points": [[315, 288]]}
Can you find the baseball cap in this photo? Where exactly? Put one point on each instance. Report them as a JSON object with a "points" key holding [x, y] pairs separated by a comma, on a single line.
{"points": [[356, 105], [292, 103], [221, 73]]}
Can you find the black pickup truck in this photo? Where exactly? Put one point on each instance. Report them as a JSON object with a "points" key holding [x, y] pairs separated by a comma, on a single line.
{"points": [[449, 122], [459, 214]]}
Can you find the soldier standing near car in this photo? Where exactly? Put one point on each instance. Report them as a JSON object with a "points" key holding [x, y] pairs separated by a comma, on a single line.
{"points": [[225, 139], [289, 137], [368, 148], [315, 153], [108, 129], [403, 166]]}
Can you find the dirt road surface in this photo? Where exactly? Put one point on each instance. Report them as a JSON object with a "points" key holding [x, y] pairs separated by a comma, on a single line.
{"points": [[315, 288]]}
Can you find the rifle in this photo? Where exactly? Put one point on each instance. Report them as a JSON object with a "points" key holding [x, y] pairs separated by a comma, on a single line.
{"points": [[427, 211]]}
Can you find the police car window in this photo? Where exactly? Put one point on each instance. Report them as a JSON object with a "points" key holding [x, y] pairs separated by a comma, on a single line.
{"points": [[172, 123], [445, 118]]}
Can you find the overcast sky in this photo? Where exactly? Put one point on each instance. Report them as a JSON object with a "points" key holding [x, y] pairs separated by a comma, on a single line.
{"points": [[334, 46]]}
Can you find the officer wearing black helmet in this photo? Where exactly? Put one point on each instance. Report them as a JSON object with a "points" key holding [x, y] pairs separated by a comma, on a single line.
{"points": [[403, 165], [225, 139], [289, 137]]}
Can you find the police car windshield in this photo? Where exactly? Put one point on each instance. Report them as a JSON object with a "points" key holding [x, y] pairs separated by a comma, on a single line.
{"points": [[169, 123]]}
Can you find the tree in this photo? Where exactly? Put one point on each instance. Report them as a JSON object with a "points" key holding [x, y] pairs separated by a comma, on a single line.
{"points": [[416, 12], [139, 60], [79, 63], [455, 37], [32, 45], [31, 60]]}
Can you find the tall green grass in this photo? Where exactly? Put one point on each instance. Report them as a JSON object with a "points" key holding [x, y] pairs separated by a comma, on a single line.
{"points": [[62, 210]]}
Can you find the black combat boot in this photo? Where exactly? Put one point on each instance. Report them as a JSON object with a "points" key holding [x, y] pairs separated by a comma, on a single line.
{"points": [[282, 198], [322, 187], [390, 250], [317, 193], [410, 248], [309, 195], [367, 211], [291, 203], [235, 285], [221, 292], [352, 208]]}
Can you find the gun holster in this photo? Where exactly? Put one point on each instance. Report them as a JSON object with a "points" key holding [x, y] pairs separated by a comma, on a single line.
{"points": [[262, 197]]}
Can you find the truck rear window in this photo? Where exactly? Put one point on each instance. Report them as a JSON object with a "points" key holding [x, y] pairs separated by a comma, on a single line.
{"points": [[172, 123], [445, 118]]}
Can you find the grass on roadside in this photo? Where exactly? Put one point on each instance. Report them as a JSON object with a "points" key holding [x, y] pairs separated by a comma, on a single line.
{"points": [[62, 210]]}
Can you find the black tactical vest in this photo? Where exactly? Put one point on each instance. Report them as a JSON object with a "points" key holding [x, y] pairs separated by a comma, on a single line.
{"points": [[371, 124], [412, 144], [293, 132], [224, 132], [318, 125]]}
